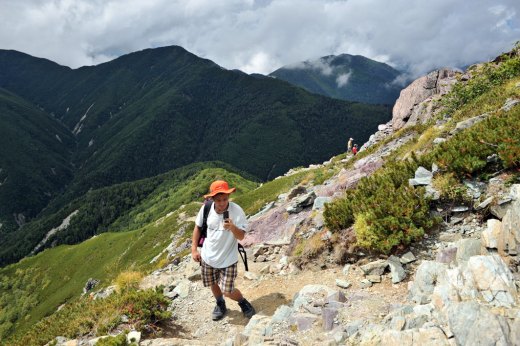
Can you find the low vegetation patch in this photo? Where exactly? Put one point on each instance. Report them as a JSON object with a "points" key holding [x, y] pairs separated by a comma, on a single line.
{"points": [[86, 317], [486, 77], [384, 209]]}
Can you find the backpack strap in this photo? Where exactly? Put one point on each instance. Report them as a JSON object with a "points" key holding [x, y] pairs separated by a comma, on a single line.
{"points": [[204, 228], [243, 255]]}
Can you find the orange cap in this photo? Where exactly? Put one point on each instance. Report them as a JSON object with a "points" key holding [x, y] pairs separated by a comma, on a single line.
{"points": [[219, 186]]}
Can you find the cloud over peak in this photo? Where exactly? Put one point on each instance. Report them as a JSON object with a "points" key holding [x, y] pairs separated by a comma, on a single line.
{"points": [[261, 35]]}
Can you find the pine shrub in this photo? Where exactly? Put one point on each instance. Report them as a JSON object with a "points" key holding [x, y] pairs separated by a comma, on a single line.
{"points": [[384, 209]]}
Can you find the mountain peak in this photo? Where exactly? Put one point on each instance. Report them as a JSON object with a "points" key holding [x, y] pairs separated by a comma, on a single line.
{"points": [[347, 77]]}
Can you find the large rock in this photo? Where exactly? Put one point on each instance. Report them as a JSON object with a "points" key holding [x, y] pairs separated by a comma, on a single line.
{"points": [[411, 337], [493, 279], [473, 324], [310, 293], [511, 223], [374, 268], [492, 234], [412, 106], [486, 278], [396, 269], [465, 124], [466, 248], [422, 177], [426, 276], [301, 202]]}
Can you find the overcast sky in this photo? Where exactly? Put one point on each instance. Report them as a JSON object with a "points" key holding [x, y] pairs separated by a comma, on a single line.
{"points": [[262, 35]]}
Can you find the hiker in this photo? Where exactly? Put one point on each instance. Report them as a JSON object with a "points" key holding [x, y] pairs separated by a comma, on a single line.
{"points": [[349, 145], [219, 255], [354, 149]]}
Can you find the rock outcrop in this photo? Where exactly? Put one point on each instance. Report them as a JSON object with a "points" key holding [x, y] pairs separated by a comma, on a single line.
{"points": [[414, 104]]}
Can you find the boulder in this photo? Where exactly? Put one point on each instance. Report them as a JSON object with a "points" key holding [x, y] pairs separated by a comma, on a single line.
{"points": [[183, 288], [301, 202], [396, 269], [490, 276], [465, 124], [310, 293], [473, 324], [411, 337], [426, 276], [511, 223], [282, 314], [407, 258], [492, 234], [447, 255], [319, 202], [133, 337], [374, 268], [510, 103], [412, 106], [302, 321], [467, 248], [343, 283], [328, 315], [422, 177]]}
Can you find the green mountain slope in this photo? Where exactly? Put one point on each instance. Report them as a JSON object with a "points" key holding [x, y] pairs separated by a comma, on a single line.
{"points": [[346, 77], [151, 111], [35, 160], [121, 207]]}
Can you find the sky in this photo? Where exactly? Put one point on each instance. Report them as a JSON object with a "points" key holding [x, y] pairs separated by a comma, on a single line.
{"points": [[259, 36]]}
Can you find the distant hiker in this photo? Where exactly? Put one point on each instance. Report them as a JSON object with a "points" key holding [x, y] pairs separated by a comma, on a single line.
{"points": [[354, 149], [349, 145], [219, 255]]}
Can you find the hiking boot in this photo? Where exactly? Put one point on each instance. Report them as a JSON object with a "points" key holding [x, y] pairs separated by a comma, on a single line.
{"points": [[247, 309], [219, 311]]}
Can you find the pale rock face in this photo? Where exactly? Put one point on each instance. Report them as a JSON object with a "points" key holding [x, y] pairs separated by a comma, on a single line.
{"points": [[511, 223], [413, 105], [491, 236]]}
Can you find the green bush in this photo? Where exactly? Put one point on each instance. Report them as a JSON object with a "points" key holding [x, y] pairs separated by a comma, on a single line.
{"points": [[118, 340], [466, 152], [384, 209]]}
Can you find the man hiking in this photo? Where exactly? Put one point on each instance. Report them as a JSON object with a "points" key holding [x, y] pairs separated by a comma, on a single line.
{"points": [[349, 145], [226, 223]]}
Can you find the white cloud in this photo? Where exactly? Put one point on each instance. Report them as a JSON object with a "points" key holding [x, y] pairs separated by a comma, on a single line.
{"points": [[342, 79], [260, 36], [321, 65]]}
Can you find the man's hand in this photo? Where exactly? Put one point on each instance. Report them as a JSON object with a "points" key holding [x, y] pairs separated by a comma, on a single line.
{"points": [[195, 255], [230, 226]]}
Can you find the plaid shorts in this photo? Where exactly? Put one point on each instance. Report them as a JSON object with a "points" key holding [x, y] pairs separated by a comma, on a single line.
{"points": [[225, 277]]}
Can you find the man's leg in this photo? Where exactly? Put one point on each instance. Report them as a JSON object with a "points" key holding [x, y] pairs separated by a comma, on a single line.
{"points": [[210, 277], [227, 281], [215, 289], [236, 295]]}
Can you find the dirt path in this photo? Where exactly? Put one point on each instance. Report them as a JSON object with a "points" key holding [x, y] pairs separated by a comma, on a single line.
{"points": [[193, 314]]}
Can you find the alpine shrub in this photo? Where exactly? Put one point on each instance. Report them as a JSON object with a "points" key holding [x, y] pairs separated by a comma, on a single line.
{"points": [[384, 209]]}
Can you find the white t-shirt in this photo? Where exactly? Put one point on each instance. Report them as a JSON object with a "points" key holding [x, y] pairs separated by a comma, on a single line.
{"points": [[220, 249]]}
